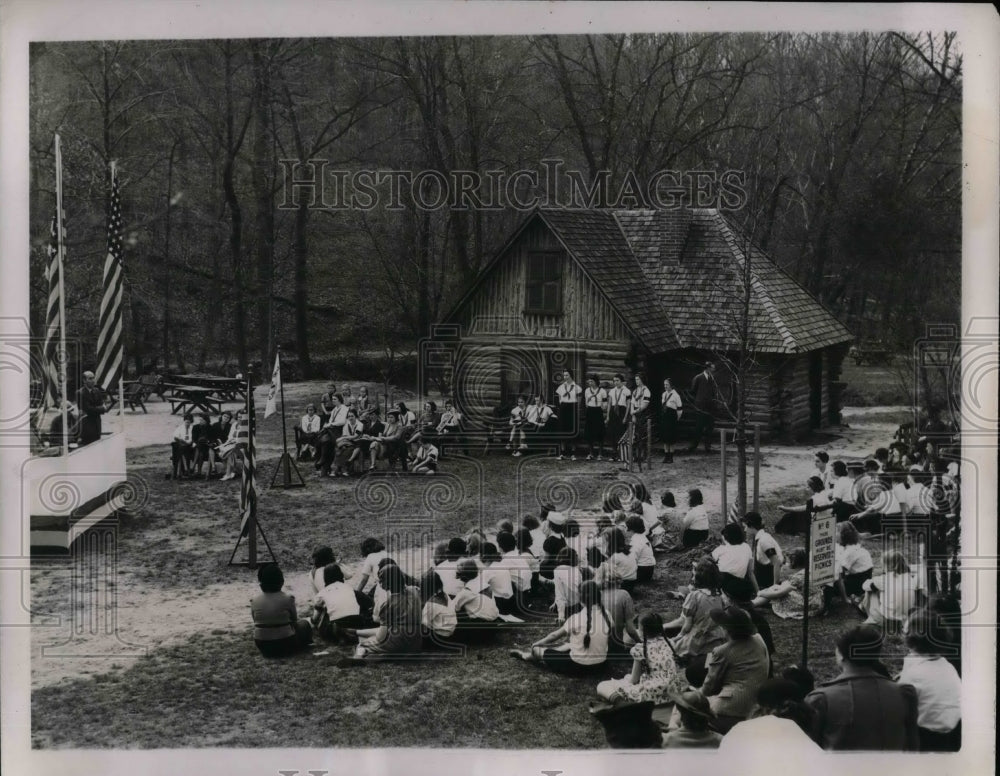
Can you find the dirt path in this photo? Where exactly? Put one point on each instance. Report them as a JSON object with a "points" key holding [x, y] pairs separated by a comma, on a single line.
{"points": [[98, 628]]}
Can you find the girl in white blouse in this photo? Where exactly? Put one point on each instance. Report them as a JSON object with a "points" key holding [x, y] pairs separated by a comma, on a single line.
{"points": [[595, 401], [670, 413], [569, 398]]}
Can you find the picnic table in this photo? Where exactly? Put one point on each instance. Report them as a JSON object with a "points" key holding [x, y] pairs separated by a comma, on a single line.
{"points": [[226, 388], [188, 398]]}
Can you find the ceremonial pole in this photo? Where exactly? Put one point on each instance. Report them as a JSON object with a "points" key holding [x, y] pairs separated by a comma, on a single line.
{"points": [[62, 299], [251, 462]]}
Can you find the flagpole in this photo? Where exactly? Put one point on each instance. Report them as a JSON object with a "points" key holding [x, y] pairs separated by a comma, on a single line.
{"points": [[251, 495], [281, 383], [62, 298], [121, 382]]}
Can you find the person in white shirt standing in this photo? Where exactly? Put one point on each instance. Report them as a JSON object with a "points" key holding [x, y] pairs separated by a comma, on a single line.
{"points": [[670, 413], [619, 402], [595, 400], [569, 397]]}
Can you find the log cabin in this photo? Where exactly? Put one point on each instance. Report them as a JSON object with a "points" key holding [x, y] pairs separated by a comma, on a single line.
{"points": [[661, 291]]}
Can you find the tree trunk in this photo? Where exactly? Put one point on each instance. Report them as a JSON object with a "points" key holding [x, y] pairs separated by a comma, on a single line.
{"points": [[263, 164], [300, 250]]}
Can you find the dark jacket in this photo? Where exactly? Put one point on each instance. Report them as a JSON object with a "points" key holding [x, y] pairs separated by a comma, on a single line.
{"points": [[863, 710]]}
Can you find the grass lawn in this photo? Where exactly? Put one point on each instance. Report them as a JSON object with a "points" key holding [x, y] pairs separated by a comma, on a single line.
{"points": [[211, 688]]}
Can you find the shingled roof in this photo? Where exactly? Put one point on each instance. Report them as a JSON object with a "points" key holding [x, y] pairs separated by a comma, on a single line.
{"points": [[675, 277], [695, 261]]}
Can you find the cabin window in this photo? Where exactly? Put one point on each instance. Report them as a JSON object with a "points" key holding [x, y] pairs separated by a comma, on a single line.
{"points": [[543, 285]]}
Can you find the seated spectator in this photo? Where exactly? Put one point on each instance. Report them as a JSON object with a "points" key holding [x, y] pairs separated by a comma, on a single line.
{"points": [[518, 422], [346, 446], [620, 607], [517, 565], [641, 549], [743, 599], [372, 553], [538, 417], [566, 580], [628, 725], [201, 436], [182, 448], [786, 598], [339, 607], [321, 557], [399, 634], [551, 548], [735, 669], [580, 645], [669, 514], [735, 560], [862, 709], [843, 492], [781, 720], [880, 503], [768, 557], [525, 543], [438, 617], [446, 569], [653, 667], [426, 459], [853, 565], [501, 527], [474, 607], [938, 686], [795, 518], [619, 564], [233, 449], [306, 434], [534, 525], [388, 444], [694, 633], [277, 629], [695, 523], [425, 427], [497, 579], [890, 597], [450, 421], [329, 434], [218, 435], [694, 732]]}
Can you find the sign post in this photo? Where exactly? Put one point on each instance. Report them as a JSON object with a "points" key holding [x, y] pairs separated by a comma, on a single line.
{"points": [[819, 566]]}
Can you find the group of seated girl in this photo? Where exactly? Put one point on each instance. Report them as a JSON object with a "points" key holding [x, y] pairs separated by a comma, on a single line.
{"points": [[198, 441], [353, 438]]}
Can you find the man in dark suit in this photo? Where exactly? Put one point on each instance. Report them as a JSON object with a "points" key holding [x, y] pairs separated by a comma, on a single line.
{"points": [[90, 401], [705, 393]]}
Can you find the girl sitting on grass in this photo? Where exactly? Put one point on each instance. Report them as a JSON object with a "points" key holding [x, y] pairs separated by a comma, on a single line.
{"points": [[580, 645], [277, 629], [641, 549], [653, 667], [372, 551], [475, 608], [438, 617], [786, 598], [497, 579], [398, 635]]}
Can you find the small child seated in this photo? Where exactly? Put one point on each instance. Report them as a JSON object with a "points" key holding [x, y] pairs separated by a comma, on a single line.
{"points": [[277, 631], [426, 459]]}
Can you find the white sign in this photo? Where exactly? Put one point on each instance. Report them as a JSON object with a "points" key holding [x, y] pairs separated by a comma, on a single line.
{"points": [[821, 553]]}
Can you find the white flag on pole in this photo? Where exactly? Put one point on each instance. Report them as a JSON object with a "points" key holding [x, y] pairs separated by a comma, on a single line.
{"points": [[272, 394]]}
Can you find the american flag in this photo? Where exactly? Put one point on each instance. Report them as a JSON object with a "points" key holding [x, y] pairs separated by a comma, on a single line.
{"points": [[110, 353], [248, 486], [51, 356]]}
